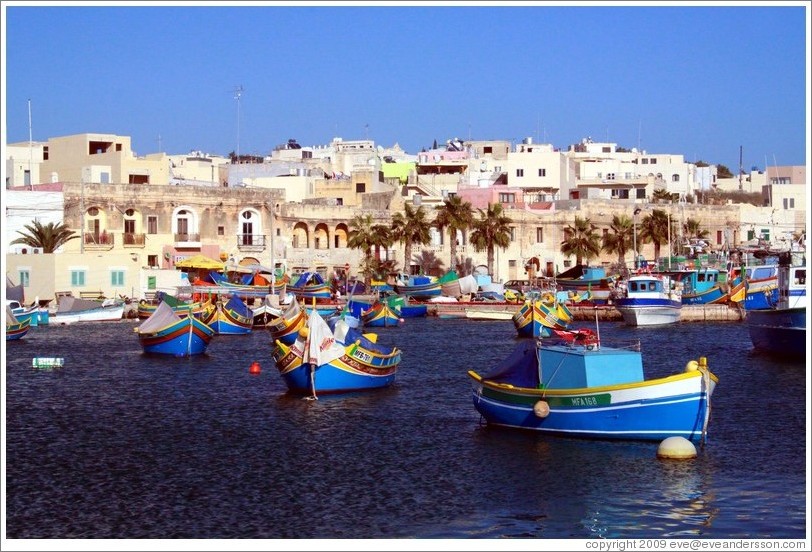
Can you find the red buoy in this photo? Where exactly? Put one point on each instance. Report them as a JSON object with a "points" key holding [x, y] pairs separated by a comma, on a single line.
{"points": [[255, 368]]}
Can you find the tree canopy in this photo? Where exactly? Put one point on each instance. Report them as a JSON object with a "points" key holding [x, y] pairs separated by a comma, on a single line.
{"points": [[49, 237]]}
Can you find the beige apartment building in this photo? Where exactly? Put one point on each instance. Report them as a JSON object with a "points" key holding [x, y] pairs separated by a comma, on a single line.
{"points": [[102, 158]]}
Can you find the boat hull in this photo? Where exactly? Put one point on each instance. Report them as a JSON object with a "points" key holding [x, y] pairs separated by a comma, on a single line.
{"points": [[642, 312], [780, 332], [634, 412], [103, 314], [285, 328], [231, 318], [18, 330], [356, 370], [380, 315], [186, 337]]}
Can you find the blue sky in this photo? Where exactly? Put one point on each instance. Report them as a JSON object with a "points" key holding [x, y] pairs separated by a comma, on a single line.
{"points": [[698, 80]]}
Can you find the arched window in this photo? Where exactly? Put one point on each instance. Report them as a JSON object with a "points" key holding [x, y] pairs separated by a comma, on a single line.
{"points": [[250, 229], [185, 225]]}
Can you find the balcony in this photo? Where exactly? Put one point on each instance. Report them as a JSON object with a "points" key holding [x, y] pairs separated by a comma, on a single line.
{"points": [[251, 242], [187, 241], [134, 240], [98, 241]]}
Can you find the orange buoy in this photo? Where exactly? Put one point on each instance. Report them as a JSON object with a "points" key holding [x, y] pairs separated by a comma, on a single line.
{"points": [[255, 368]]}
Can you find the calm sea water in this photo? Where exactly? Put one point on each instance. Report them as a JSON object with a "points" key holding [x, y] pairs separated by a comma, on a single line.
{"points": [[117, 444]]}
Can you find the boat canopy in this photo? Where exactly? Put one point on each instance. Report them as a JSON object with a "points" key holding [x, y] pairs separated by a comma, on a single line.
{"points": [[519, 369]]}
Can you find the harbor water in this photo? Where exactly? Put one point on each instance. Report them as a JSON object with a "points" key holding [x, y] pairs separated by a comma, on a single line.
{"points": [[118, 444]]}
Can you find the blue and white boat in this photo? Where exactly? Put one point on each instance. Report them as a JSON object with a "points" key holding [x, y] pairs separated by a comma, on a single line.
{"points": [[232, 317], [649, 300], [761, 286], [579, 388], [35, 314], [334, 360], [780, 329], [700, 286], [167, 333]]}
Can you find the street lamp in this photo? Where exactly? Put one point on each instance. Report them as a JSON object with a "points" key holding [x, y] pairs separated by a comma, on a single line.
{"points": [[636, 212]]}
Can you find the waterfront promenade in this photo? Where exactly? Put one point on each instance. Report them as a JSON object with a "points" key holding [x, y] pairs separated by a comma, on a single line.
{"points": [[688, 313]]}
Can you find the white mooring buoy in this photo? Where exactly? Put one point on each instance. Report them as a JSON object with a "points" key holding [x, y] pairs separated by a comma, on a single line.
{"points": [[678, 448]]}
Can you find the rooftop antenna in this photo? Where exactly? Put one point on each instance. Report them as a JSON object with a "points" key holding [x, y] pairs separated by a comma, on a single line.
{"points": [[237, 95], [740, 168], [538, 124], [30, 148], [366, 131], [159, 143], [639, 132]]}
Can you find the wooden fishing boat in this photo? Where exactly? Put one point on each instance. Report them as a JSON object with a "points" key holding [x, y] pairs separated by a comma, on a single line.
{"points": [[231, 317], [182, 308], [381, 314], [311, 285], [167, 333], [285, 328], [581, 279], [74, 309], [536, 318], [780, 329], [700, 286], [16, 329], [581, 388], [335, 360]]}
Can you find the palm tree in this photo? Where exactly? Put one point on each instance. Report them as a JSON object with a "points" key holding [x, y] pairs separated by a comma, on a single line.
{"points": [[492, 229], [428, 263], [693, 229], [663, 194], [654, 228], [581, 240], [456, 215], [620, 238], [49, 237], [381, 238], [362, 236], [410, 228]]}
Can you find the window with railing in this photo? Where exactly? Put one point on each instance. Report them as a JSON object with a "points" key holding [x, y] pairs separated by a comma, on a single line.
{"points": [[134, 239], [180, 237], [251, 240], [99, 238]]}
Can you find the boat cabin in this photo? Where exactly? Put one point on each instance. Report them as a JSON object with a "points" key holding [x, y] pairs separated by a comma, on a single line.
{"points": [[568, 367]]}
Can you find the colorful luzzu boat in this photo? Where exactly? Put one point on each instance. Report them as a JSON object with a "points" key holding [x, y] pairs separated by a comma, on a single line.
{"points": [[579, 388], [344, 360], [167, 333]]}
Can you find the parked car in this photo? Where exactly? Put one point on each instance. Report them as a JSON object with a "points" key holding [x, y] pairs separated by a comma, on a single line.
{"points": [[519, 286]]}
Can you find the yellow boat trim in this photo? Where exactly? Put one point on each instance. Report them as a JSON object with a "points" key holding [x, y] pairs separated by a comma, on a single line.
{"points": [[586, 390]]}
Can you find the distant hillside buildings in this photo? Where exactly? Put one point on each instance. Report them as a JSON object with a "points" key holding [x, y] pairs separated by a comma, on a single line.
{"points": [[139, 215]]}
